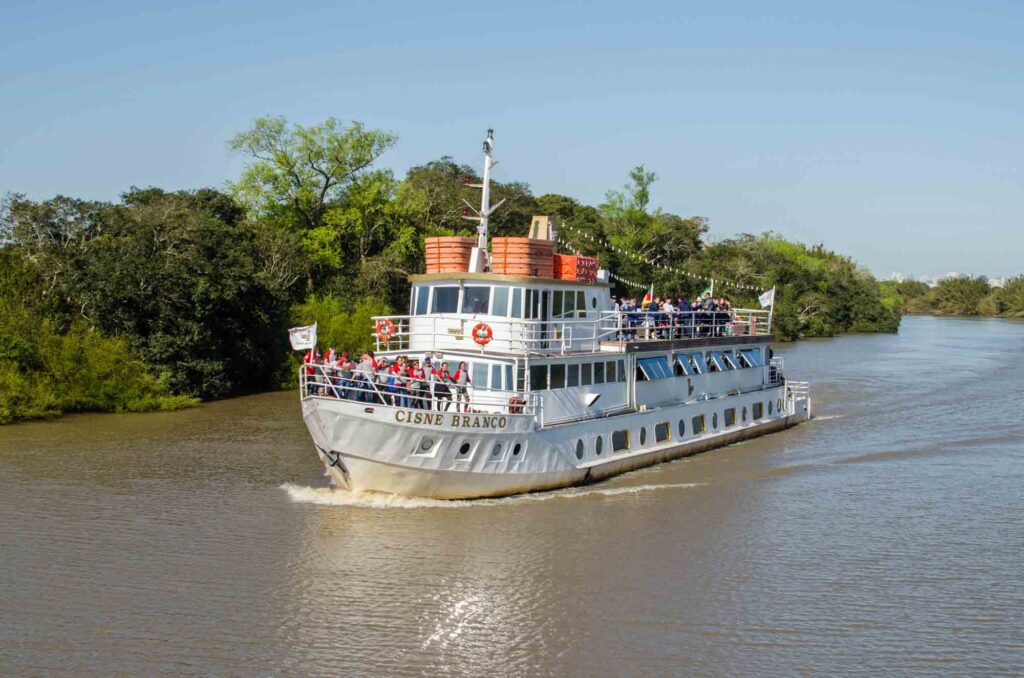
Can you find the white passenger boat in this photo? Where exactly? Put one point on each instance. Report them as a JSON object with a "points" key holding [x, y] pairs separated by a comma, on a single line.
{"points": [[565, 390]]}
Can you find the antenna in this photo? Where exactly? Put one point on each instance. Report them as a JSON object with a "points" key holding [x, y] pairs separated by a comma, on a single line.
{"points": [[486, 209]]}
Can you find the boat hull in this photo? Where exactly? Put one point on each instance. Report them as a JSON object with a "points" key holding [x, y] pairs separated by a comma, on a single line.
{"points": [[462, 456]]}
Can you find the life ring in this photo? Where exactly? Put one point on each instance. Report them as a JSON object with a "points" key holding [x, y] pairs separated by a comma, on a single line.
{"points": [[482, 334], [385, 330]]}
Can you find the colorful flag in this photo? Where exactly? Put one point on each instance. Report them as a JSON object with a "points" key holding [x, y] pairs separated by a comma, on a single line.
{"points": [[767, 298], [710, 289], [303, 338], [648, 298]]}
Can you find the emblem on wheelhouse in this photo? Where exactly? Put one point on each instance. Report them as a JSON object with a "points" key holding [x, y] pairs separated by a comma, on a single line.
{"points": [[514, 371]]}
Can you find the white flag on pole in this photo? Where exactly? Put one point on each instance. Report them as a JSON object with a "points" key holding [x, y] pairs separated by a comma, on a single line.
{"points": [[303, 338], [767, 298]]}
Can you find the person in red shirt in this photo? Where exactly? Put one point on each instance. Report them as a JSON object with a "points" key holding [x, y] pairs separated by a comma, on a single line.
{"points": [[443, 386], [462, 383]]}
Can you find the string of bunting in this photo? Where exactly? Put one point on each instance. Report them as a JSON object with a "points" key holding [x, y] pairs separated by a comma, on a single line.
{"points": [[636, 257]]}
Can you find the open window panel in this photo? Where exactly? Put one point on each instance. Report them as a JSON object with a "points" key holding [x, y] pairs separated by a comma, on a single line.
{"points": [[716, 363], [731, 361], [655, 367], [752, 357], [682, 365]]}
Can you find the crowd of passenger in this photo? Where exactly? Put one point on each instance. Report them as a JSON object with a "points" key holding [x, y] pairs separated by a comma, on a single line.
{"points": [[401, 381], [663, 318]]}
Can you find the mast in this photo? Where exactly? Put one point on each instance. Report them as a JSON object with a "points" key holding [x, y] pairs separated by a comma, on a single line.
{"points": [[478, 260]]}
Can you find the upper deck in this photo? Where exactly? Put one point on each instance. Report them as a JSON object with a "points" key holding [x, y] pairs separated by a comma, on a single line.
{"points": [[520, 315]]}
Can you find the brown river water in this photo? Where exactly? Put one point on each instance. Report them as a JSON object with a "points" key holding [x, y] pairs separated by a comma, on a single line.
{"points": [[884, 537]]}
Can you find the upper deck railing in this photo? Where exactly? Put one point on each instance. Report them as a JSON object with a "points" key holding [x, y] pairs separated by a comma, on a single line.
{"points": [[564, 335]]}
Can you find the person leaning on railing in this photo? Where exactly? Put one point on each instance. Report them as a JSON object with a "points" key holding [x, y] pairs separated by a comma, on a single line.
{"points": [[462, 384], [443, 387]]}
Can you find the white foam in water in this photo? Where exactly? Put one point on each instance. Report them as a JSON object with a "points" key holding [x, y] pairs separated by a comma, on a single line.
{"points": [[828, 417], [327, 496]]}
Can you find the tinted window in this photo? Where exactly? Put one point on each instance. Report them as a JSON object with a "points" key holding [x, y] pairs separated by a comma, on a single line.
{"points": [[757, 410], [753, 357], [581, 304], [475, 299], [655, 368], [500, 305], [558, 376], [683, 366], [622, 370], [620, 441], [573, 376], [697, 424], [598, 373], [517, 303], [585, 378], [446, 300], [662, 432], [610, 371], [557, 299], [422, 296], [538, 377], [730, 417], [697, 363]]}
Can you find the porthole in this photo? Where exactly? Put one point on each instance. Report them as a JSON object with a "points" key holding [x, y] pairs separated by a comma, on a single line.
{"points": [[593, 302], [744, 413], [598, 445], [682, 428], [496, 451], [464, 450], [714, 421], [769, 408], [643, 436], [516, 450], [579, 449], [426, 444], [778, 405]]}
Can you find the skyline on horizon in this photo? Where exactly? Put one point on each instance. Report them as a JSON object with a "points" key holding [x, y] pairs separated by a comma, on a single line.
{"points": [[888, 134]]}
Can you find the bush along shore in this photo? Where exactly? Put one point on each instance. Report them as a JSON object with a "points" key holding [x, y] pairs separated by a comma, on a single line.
{"points": [[961, 296], [166, 298]]}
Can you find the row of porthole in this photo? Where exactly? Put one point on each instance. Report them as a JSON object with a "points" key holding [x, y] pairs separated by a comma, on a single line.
{"points": [[599, 441], [495, 451]]}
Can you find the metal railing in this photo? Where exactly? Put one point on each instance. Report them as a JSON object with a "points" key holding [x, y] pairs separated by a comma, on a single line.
{"points": [[776, 371], [381, 388], [565, 335]]}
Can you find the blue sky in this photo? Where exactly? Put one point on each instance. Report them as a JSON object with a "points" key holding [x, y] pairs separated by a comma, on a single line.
{"points": [[891, 131]]}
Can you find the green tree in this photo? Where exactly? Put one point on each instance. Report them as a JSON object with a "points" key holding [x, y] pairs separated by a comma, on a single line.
{"points": [[1013, 296], [961, 295]]}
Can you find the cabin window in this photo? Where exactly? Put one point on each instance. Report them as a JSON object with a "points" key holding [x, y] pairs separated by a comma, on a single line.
{"points": [[769, 408], [620, 440], [569, 310], [714, 421], [682, 428], [422, 297], [643, 436], [517, 303], [757, 410], [585, 375], [496, 376], [730, 360], [530, 310], [500, 304], [557, 300], [508, 378], [682, 366], [593, 301], [538, 377], [598, 373], [474, 299], [752, 357], [478, 374], [609, 371], [622, 370], [655, 367], [557, 376], [573, 376], [579, 449], [581, 305], [716, 363], [446, 300], [744, 413], [698, 424], [730, 417], [598, 446], [662, 432], [697, 364], [520, 377]]}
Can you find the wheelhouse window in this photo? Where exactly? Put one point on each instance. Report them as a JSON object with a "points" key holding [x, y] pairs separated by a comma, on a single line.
{"points": [[752, 357], [573, 376], [517, 303], [538, 377], [446, 300], [500, 304], [422, 297], [475, 299], [655, 367]]}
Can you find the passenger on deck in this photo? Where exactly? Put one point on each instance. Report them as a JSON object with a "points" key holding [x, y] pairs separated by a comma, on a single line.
{"points": [[343, 379], [462, 384], [362, 377], [430, 377], [380, 383], [418, 393], [443, 387]]}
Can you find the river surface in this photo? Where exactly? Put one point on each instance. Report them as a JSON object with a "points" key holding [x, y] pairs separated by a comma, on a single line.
{"points": [[884, 537]]}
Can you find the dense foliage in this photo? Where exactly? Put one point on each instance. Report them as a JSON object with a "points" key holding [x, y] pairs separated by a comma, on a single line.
{"points": [[961, 295], [164, 297]]}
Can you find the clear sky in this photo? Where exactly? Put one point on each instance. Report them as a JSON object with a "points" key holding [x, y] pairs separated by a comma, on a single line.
{"points": [[889, 131]]}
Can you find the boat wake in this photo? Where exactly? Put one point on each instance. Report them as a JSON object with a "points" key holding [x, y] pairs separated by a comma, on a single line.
{"points": [[327, 496]]}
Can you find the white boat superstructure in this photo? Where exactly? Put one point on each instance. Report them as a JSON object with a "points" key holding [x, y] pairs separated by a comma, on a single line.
{"points": [[564, 388]]}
